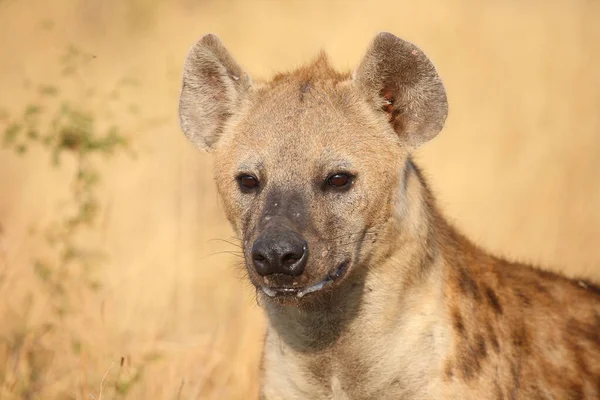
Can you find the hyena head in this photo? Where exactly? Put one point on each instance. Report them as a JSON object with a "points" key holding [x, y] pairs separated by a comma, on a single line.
{"points": [[309, 165]]}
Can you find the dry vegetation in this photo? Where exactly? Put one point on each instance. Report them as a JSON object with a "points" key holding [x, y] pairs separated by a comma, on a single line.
{"points": [[168, 315]]}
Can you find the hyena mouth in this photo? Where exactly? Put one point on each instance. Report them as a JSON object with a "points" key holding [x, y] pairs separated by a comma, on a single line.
{"points": [[333, 275]]}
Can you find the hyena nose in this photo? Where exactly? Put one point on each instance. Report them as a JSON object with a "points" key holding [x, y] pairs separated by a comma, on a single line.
{"points": [[279, 252]]}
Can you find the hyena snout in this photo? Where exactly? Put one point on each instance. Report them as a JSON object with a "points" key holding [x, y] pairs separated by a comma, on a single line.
{"points": [[278, 251]]}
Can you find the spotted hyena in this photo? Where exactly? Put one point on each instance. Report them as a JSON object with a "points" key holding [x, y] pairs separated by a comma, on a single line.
{"points": [[370, 293]]}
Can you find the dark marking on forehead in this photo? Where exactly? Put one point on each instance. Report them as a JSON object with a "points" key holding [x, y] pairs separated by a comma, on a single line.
{"points": [[319, 70], [493, 300], [304, 88]]}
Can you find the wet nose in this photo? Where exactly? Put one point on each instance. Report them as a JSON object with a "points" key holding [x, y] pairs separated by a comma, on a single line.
{"points": [[279, 252]]}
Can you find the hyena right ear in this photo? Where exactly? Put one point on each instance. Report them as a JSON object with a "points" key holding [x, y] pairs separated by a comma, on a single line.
{"points": [[401, 81], [213, 86]]}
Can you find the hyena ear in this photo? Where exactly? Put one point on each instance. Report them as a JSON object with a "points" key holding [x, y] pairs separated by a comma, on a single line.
{"points": [[401, 81], [213, 86]]}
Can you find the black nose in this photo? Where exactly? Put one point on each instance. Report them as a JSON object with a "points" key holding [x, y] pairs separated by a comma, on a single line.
{"points": [[277, 251]]}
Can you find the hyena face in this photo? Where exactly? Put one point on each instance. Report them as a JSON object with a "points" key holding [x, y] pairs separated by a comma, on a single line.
{"points": [[309, 165], [307, 180]]}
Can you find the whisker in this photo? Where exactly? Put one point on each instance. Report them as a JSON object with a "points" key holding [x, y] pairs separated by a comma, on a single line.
{"points": [[238, 254], [226, 241]]}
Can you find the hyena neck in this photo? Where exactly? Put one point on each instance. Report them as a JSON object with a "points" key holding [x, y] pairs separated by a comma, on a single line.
{"points": [[404, 272]]}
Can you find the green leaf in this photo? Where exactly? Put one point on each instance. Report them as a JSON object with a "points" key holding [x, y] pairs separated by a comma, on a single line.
{"points": [[76, 346], [42, 271], [33, 134], [21, 149], [31, 110], [48, 90], [11, 133]]}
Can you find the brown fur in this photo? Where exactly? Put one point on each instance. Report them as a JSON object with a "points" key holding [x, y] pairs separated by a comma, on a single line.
{"points": [[420, 312]]}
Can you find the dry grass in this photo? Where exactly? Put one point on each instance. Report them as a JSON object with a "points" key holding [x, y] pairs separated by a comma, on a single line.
{"points": [[517, 167]]}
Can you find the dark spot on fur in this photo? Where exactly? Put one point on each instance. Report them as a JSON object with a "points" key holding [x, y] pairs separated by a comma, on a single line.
{"points": [[515, 370], [578, 354], [449, 370], [535, 393], [525, 300], [458, 323], [471, 357], [481, 347], [520, 340], [498, 391], [587, 330], [304, 88], [493, 300], [581, 362], [575, 392], [408, 167], [468, 370], [468, 285], [494, 340], [540, 288]]}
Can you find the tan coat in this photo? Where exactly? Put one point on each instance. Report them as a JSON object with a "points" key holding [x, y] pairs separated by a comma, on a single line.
{"points": [[406, 307]]}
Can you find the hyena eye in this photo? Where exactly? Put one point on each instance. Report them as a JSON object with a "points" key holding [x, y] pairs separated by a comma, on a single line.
{"points": [[339, 180], [248, 182]]}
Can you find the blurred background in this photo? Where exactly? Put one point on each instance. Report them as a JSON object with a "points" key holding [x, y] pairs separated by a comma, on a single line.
{"points": [[115, 278]]}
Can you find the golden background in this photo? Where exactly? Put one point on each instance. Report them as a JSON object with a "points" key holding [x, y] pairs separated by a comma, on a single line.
{"points": [[517, 168]]}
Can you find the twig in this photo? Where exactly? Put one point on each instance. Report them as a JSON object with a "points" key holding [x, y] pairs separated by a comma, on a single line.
{"points": [[102, 381]]}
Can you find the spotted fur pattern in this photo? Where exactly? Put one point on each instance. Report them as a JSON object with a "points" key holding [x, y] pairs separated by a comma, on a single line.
{"points": [[421, 312]]}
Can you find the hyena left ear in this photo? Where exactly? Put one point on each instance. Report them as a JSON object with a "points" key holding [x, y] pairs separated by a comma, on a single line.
{"points": [[401, 81], [213, 87]]}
